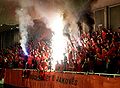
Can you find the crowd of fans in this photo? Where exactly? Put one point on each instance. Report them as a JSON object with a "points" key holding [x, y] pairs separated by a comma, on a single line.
{"points": [[99, 53], [14, 57]]}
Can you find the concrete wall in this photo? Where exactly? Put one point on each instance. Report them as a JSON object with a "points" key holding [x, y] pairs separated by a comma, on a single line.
{"points": [[103, 3], [110, 16], [7, 38]]}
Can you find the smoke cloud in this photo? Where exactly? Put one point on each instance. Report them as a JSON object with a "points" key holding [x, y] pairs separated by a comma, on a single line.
{"points": [[86, 15], [38, 15], [24, 22]]}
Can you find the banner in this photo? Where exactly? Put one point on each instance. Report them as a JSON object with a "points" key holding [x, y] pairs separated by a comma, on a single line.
{"points": [[58, 80]]}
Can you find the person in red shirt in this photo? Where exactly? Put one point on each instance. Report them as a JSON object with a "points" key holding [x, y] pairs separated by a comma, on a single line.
{"points": [[57, 66], [44, 65], [29, 62], [103, 34], [78, 62]]}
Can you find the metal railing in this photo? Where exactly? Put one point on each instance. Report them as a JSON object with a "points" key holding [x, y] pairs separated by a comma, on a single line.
{"points": [[82, 73], [92, 73]]}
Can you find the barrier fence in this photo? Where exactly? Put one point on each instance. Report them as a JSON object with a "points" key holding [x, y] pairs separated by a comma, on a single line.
{"points": [[35, 79]]}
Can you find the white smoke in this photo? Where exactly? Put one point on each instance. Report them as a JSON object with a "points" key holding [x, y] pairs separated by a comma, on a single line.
{"points": [[24, 22], [46, 9], [57, 14]]}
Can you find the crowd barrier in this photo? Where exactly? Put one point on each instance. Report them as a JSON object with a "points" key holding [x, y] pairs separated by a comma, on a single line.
{"points": [[15, 77]]}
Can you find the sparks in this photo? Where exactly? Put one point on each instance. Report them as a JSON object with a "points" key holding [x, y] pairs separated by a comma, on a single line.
{"points": [[58, 40]]}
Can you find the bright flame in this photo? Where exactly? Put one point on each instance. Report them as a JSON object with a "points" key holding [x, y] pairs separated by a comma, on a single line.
{"points": [[58, 40]]}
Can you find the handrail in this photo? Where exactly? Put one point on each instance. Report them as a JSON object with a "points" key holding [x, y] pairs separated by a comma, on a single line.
{"points": [[92, 73], [75, 72]]}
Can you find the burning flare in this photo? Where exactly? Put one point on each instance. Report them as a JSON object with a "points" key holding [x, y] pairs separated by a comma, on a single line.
{"points": [[58, 40], [24, 21]]}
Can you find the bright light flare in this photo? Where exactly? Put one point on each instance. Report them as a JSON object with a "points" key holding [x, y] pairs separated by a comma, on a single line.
{"points": [[24, 49], [58, 41]]}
